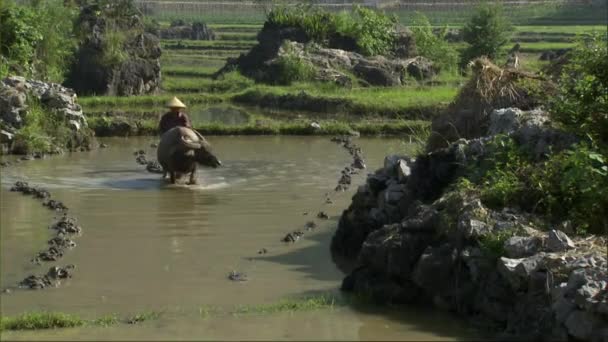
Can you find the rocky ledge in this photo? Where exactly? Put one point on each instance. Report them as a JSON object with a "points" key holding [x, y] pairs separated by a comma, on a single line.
{"points": [[333, 62], [411, 236], [15, 95]]}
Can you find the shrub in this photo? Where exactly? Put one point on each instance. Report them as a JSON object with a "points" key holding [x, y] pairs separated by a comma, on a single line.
{"points": [[291, 68], [432, 46], [582, 103], [372, 31], [487, 32], [569, 185], [36, 39]]}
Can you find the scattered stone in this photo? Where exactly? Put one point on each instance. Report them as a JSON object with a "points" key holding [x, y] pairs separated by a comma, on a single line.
{"points": [[323, 215], [52, 254], [7, 291], [141, 159], [103, 145], [66, 225], [521, 247], [263, 251], [293, 237], [310, 225], [558, 241], [237, 276], [57, 272], [62, 242], [315, 125], [329, 201], [154, 167], [54, 205], [154, 145], [36, 282]]}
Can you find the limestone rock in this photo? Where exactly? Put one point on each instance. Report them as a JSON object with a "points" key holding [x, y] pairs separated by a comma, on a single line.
{"points": [[520, 247], [558, 241]]}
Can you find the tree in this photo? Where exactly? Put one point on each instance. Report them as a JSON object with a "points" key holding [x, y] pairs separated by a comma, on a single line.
{"points": [[487, 32]]}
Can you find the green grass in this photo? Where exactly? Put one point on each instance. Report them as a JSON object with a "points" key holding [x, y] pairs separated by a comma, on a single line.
{"points": [[199, 84], [218, 42], [56, 320], [142, 317], [237, 36], [321, 302], [190, 71], [158, 101], [40, 320], [563, 29]]}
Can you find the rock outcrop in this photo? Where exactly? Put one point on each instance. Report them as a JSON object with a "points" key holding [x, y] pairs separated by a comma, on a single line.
{"points": [[489, 88], [116, 55], [331, 63], [410, 236], [15, 94], [179, 30]]}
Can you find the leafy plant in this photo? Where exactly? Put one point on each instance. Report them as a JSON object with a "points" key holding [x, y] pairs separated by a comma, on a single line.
{"points": [[487, 32], [433, 46], [291, 68], [582, 103], [36, 39], [371, 31]]}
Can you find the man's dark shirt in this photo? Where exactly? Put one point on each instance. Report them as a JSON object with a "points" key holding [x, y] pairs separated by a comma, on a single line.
{"points": [[171, 119]]}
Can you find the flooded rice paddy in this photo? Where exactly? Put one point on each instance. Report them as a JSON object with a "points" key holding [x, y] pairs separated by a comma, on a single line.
{"points": [[150, 246]]}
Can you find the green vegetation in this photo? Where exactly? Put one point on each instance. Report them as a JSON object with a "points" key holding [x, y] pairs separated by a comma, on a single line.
{"points": [[290, 305], [45, 131], [34, 42], [370, 31], [433, 46], [40, 320], [291, 68], [486, 33], [56, 320], [142, 317], [568, 185], [582, 104]]}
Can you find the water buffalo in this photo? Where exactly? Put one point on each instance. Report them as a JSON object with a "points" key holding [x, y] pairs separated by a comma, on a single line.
{"points": [[180, 149]]}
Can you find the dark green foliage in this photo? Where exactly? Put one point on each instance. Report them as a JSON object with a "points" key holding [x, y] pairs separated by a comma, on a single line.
{"points": [[372, 32], [36, 39], [582, 104], [569, 185], [291, 68], [487, 32], [433, 46]]}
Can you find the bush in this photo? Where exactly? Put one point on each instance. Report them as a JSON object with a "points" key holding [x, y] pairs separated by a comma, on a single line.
{"points": [[372, 31], [36, 40], [291, 68], [487, 32], [582, 103], [432, 46], [569, 185]]}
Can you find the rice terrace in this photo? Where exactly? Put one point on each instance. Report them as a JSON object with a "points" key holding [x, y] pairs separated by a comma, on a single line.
{"points": [[417, 170]]}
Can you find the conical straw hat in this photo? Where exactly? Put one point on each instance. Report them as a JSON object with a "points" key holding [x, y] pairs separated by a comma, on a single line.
{"points": [[175, 103]]}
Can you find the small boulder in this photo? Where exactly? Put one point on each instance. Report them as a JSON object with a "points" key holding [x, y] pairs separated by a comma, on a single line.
{"points": [[558, 241], [521, 247], [403, 171], [421, 68], [580, 324]]}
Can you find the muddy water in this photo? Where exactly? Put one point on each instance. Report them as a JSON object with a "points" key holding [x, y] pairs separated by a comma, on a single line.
{"points": [[147, 245]]}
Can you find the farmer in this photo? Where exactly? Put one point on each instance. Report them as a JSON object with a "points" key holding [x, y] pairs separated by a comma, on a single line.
{"points": [[174, 117]]}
